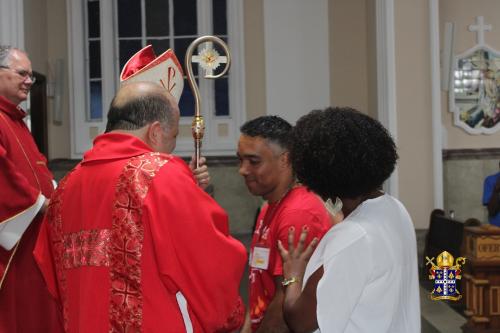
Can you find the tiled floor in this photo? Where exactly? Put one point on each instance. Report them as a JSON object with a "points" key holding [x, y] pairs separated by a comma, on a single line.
{"points": [[438, 316]]}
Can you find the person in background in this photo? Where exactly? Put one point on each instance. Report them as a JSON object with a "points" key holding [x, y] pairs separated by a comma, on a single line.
{"points": [[491, 197], [26, 185]]}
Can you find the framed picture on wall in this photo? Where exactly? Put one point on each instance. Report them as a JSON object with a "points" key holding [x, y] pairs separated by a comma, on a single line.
{"points": [[475, 93]]}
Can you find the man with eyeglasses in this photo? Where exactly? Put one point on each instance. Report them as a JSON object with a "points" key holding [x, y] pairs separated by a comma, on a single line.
{"points": [[26, 184]]}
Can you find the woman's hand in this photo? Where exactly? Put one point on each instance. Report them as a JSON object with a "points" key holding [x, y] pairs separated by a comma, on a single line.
{"points": [[299, 306], [295, 258]]}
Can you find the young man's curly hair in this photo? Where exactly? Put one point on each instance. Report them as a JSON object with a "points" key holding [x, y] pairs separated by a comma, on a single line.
{"points": [[341, 152]]}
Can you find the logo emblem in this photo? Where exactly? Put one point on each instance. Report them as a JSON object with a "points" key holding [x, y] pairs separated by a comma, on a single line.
{"points": [[445, 276]]}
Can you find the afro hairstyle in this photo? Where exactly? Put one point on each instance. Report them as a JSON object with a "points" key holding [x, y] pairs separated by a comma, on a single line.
{"points": [[341, 152]]}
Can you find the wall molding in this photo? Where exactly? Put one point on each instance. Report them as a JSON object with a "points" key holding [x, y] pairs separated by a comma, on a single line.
{"points": [[471, 154], [61, 164]]}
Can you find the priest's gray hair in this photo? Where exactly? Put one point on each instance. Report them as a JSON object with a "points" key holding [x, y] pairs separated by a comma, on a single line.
{"points": [[5, 51]]}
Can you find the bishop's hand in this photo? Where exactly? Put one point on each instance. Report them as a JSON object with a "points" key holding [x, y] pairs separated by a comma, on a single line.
{"points": [[201, 174]]}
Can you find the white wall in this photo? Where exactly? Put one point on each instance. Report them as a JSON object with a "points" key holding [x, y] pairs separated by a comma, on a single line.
{"points": [[297, 57]]}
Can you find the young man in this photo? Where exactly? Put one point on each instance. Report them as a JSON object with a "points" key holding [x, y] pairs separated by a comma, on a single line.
{"points": [[265, 165]]}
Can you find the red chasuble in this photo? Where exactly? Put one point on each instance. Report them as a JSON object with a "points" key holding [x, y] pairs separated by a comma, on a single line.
{"points": [[131, 244], [25, 304]]}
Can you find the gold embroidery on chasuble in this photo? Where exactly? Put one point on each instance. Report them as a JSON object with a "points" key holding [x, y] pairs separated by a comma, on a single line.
{"points": [[86, 248], [118, 248], [57, 238], [126, 241]]}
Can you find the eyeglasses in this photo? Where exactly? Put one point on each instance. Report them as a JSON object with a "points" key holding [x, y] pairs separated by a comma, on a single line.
{"points": [[22, 73]]}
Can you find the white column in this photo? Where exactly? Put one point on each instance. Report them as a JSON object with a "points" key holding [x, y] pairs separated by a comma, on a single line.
{"points": [[386, 78], [12, 23], [297, 57], [437, 127]]}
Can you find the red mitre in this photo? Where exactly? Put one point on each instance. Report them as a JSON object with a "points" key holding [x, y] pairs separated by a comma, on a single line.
{"points": [[164, 70]]}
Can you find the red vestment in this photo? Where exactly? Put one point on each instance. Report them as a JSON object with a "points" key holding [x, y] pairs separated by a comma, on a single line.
{"points": [[25, 304], [298, 208], [130, 243]]}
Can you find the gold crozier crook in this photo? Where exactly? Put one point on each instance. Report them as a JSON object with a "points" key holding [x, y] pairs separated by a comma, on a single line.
{"points": [[209, 59]]}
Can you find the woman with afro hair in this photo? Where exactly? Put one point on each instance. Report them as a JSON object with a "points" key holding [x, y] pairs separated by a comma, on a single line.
{"points": [[362, 276]]}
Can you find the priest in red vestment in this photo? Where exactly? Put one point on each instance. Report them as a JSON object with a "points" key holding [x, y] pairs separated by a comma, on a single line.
{"points": [[131, 243], [25, 185]]}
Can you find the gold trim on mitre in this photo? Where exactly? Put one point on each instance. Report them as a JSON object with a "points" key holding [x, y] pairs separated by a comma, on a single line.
{"points": [[445, 259], [164, 70]]}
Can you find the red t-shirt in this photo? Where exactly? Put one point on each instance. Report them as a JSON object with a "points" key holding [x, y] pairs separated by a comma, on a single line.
{"points": [[298, 208]]}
